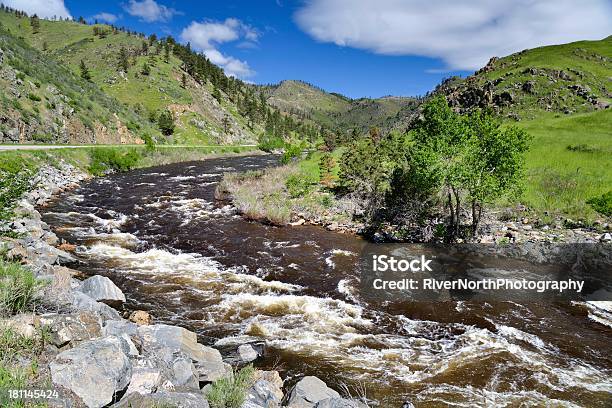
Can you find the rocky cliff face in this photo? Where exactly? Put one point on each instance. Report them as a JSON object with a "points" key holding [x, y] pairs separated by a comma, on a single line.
{"points": [[563, 79]]}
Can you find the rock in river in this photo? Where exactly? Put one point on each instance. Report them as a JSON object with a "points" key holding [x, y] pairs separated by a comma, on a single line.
{"points": [[309, 391], [102, 289]]}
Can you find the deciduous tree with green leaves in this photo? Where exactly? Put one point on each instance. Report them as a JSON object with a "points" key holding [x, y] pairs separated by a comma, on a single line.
{"points": [[464, 159]]}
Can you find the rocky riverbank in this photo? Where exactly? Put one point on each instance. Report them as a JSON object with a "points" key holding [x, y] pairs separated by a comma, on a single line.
{"points": [[96, 356]]}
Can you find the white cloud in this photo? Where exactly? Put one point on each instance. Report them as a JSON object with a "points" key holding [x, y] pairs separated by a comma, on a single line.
{"points": [[208, 35], [149, 10], [108, 17], [42, 8], [463, 33]]}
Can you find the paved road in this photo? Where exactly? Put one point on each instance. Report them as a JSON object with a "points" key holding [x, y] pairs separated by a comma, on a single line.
{"points": [[47, 147]]}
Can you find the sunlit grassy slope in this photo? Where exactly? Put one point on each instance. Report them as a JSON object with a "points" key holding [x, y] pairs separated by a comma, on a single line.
{"points": [[70, 42], [569, 162]]}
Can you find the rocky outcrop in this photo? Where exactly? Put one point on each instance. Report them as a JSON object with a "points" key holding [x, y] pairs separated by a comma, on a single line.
{"points": [[309, 391]]}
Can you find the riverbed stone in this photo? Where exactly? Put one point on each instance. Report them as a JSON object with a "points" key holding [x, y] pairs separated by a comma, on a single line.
{"points": [[308, 391], [163, 399], [25, 324], [340, 403], [81, 301], [141, 318], [177, 339], [95, 370], [247, 353], [145, 380], [266, 391], [67, 329], [102, 289]]}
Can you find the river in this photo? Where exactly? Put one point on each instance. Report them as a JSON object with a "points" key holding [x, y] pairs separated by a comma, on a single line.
{"points": [[161, 237]]}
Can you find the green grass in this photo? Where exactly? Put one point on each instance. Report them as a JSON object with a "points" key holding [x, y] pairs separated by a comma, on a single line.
{"points": [[14, 347], [561, 180], [18, 288], [231, 392], [131, 97]]}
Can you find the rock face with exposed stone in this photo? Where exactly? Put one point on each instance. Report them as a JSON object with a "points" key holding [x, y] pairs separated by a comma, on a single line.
{"points": [[95, 370]]}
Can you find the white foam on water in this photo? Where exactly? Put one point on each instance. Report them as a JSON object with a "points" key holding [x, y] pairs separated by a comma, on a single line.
{"points": [[201, 270], [182, 178], [343, 252], [345, 287], [600, 311]]}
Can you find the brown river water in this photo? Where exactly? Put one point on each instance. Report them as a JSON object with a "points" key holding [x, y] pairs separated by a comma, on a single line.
{"points": [[161, 237]]}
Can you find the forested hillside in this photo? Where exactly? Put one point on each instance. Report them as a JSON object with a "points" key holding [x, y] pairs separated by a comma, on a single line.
{"points": [[157, 88], [337, 112]]}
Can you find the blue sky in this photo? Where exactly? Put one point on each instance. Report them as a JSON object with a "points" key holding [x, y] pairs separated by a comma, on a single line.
{"points": [[354, 47]]}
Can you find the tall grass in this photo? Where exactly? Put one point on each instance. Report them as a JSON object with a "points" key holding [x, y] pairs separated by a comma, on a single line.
{"points": [[231, 392], [570, 162], [18, 288]]}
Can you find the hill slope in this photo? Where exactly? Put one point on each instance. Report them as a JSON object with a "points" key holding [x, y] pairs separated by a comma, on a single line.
{"points": [[145, 76], [336, 111], [567, 78], [43, 101]]}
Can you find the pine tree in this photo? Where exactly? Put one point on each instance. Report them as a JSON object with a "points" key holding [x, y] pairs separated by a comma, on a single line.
{"points": [[226, 124], [35, 23], [123, 60], [145, 69], [216, 94], [167, 53], [85, 74], [165, 121], [184, 80]]}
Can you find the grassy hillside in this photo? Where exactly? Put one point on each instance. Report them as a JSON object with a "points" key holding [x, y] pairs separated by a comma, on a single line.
{"points": [[336, 111], [570, 161], [200, 117], [43, 101], [565, 79]]}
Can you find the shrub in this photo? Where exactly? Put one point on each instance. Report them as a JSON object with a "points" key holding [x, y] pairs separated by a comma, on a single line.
{"points": [[105, 160], [18, 288], [34, 97], [165, 121], [298, 185], [269, 143], [231, 392], [291, 152], [14, 181], [602, 204]]}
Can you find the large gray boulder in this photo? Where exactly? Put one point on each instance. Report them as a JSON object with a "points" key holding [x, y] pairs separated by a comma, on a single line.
{"points": [[81, 301], [94, 370], [266, 391], [145, 380], [163, 399], [308, 391], [102, 289], [247, 353], [208, 361], [72, 328], [340, 403]]}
